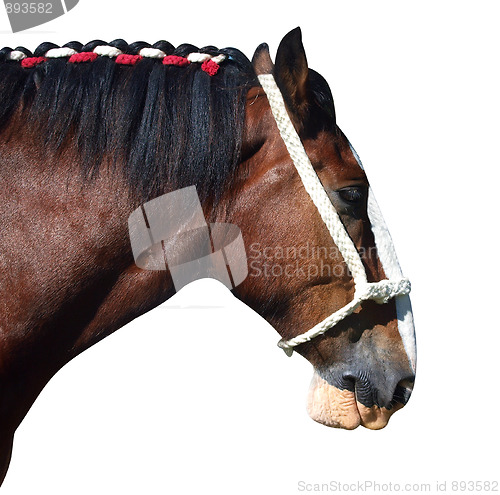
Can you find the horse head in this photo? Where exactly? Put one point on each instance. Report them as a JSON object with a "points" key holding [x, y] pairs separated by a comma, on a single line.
{"points": [[363, 365]]}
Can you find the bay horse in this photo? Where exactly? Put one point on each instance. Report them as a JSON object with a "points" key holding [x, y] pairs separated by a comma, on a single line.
{"points": [[89, 133]]}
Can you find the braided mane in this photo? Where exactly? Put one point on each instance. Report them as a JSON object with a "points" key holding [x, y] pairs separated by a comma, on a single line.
{"points": [[168, 115]]}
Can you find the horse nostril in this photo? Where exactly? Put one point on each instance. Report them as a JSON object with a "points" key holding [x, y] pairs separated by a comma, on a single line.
{"points": [[362, 387], [348, 382], [403, 390], [372, 392]]}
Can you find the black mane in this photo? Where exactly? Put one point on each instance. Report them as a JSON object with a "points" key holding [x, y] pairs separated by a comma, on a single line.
{"points": [[165, 124]]}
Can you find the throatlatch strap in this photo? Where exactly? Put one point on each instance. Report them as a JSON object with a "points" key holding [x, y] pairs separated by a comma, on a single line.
{"points": [[381, 291]]}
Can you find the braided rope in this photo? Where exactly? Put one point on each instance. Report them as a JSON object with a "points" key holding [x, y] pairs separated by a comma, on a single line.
{"points": [[382, 291]]}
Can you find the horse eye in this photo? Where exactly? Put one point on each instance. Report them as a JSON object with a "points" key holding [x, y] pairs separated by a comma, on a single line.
{"points": [[352, 195]]}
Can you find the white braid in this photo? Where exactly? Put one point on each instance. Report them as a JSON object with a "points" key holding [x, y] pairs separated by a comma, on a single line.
{"points": [[152, 53], [107, 51], [16, 55], [380, 292], [60, 52], [219, 58], [198, 57]]}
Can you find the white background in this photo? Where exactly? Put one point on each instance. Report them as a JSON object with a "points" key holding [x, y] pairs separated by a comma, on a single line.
{"points": [[195, 397]]}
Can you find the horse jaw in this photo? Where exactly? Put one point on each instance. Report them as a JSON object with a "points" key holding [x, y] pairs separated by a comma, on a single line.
{"points": [[336, 408]]}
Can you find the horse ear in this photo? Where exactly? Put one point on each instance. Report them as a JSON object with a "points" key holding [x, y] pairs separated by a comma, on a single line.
{"points": [[291, 73], [261, 60]]}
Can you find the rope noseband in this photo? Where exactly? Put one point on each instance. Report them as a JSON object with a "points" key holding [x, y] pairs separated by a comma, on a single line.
{"points": [[382, 291]]}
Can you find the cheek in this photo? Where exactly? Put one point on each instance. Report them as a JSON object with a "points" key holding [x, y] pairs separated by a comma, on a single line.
{"points": [[297, 276]]}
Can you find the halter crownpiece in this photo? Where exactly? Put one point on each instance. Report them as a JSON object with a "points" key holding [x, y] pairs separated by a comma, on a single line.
{"points": [[382, 291]]}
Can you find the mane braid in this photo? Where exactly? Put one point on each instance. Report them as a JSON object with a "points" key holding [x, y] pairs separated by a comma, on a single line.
{"points": [[166, 115]]}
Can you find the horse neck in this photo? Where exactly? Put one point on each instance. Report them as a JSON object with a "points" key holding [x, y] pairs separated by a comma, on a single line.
{"points": [[69, 278]]}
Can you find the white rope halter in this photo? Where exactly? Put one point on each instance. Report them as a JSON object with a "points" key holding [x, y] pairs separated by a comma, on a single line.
{"points": [[382, 291]]}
